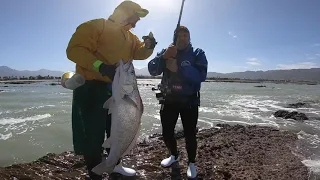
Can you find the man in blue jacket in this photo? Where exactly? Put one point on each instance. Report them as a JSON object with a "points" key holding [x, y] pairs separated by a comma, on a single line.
{"points": [[183, 68]]}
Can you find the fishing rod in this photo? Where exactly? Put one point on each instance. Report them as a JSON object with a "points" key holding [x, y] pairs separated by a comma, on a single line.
{"points": [[178, 24], [174, 40]]}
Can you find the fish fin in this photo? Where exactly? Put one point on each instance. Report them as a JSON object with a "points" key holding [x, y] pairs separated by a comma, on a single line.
{"points": [[108, 103], [107, 143], [100, 168]]}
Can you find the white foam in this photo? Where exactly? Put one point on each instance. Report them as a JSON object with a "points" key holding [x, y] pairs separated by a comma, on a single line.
{"points": [[37, 107], [270, 123], [311, 139], [207, 122], [23, 131], [314, 165], [157, 125], [206, 109], [5, 112], [12, 121], [156, 116], [5, 136]]}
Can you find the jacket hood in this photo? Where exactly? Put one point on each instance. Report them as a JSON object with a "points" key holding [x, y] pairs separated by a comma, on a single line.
{"points": [[125, 10]]}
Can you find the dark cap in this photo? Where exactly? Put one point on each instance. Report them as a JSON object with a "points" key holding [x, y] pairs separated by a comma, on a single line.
{"points": [[183, 29]]}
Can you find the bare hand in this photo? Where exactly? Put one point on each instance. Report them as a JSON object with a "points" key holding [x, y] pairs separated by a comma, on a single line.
{"points": [[171, 64]]}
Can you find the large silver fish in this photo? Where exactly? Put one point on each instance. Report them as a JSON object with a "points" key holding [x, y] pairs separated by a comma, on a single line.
{"points": [[126, 109]]}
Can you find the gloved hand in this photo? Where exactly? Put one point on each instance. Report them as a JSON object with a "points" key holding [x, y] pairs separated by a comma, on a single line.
{"points": [[171, 64], [149, 41], [170, 52], [104, 69]]}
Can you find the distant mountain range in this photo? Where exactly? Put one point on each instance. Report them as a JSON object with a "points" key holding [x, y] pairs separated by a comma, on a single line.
{"points": [[294, 74], [6, 71], [312, 74]]}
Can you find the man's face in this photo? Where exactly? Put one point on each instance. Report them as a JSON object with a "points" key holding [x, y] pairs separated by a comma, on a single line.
{"points": [[183, 39], [133, 20]]}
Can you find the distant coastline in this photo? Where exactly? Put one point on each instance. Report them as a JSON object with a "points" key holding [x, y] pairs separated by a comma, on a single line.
{"points": [[37, 79], [286, 76]]}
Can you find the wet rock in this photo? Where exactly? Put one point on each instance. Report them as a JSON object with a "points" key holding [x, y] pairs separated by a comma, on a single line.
{"points": [[260, 86], [19, 82], [178, 134], [230, 152], [54, 84], [298, 105], [291, 115], [145, 84]]}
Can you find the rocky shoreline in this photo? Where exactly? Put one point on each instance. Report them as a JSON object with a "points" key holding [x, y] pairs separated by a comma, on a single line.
{"points": [[224, 152]]}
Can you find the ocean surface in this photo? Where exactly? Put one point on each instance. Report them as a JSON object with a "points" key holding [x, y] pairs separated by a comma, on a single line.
{"points": [[35, 119]]}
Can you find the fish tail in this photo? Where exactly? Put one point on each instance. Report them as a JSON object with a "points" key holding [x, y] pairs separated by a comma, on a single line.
{"points": [[102, 167]]}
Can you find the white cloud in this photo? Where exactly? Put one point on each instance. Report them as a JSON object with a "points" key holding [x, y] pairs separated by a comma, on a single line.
{"points": [[234, 36], [316, 45], [303, 65], [253, 61]]}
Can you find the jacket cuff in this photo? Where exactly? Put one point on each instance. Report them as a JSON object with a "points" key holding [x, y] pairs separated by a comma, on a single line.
{"points": [[96, 65]]}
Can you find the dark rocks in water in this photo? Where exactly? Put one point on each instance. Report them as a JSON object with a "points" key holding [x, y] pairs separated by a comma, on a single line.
{"points": [[54, 84], [1, 90], [231, 152], [298, 105], [291, 115], [19, 82], [260, 86], [146, 84]]}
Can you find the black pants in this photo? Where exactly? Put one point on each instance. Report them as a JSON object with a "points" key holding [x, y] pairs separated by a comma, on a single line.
{"points": [[189, 117], [90, 123]]}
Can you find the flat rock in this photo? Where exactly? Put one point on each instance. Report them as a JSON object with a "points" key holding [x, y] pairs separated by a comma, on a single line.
{"points": [[228, 152]]}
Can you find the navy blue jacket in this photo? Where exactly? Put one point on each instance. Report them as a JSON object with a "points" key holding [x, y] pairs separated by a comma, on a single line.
{"points": [[192, 70]]}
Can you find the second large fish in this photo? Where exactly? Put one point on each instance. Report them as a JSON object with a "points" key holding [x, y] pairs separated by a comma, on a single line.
{"points": [[126, 109]]}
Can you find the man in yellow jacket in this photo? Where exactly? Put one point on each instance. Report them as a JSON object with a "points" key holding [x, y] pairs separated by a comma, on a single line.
{"points": [[96, 47]]}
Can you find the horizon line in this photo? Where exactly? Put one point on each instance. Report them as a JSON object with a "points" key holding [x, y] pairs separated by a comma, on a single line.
{"points": [[208, 71]]}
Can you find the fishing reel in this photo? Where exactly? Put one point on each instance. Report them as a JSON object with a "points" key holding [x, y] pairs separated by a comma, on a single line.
{"points": [[161, 92]]}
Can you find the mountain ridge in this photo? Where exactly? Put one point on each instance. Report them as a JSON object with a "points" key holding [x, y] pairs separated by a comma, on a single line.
{"points": [[312, 74]]}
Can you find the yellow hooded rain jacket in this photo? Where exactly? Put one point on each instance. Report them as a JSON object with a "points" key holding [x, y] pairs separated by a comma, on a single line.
{"points": [[108, 41]]}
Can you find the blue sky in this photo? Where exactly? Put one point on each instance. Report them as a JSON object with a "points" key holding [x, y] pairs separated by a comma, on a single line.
{"points": [[237, 35]]}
